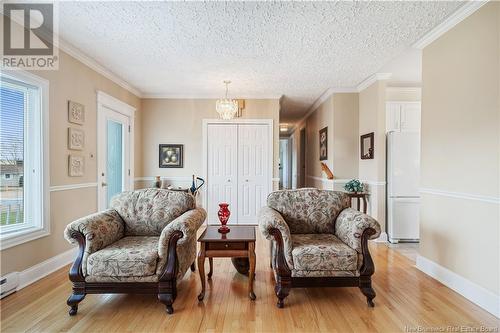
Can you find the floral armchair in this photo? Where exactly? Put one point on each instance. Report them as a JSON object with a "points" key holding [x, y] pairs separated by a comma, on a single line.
{"points": [[318, 240], [142, 244]]}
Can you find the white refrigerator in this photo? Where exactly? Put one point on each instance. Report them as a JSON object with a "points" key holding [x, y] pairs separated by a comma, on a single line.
{"points": [[403, 178]]}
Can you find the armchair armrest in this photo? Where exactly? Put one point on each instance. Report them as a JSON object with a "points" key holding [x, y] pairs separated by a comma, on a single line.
{"points": [[92, 233], [352, 224], [178, 235], [274, 228]]}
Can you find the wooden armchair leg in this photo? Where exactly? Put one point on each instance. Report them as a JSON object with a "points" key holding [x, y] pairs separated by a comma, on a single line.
{"points": [[193, 267], [168, 300], [73, 301], [282, 291], [365, 286]]}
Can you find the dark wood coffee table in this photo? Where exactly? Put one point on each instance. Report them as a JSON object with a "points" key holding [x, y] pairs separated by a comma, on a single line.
{"points": [[238, 243]]}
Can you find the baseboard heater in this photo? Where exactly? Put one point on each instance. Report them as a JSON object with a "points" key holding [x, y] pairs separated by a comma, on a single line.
{"points": [[8, 284]]}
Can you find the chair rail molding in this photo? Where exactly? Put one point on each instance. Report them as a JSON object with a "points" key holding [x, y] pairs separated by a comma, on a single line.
{"points": [[67, 187], [326, 180], [151, 178], [374, 182], [461, 195]]}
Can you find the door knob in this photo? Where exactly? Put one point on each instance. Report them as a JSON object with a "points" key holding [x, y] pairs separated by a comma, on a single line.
{"points": [[246, 180], [229, 180], [104, 184]]}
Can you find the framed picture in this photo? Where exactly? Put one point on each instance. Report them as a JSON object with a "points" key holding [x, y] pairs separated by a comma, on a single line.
{"points": [[76, 139], [76, 113], [171, 156], [367, 148], [76, 164], [323, 144]]}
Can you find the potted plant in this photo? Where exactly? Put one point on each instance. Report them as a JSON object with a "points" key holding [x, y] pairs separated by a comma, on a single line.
{"points": [[354, 186]]}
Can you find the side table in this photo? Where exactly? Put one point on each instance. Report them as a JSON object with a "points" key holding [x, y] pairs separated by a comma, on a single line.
{"points": [[238, 243]]}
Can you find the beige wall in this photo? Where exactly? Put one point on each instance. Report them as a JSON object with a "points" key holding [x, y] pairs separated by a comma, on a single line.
{"points": [[320, 118], [345, 135], [461, 147], [77, 82], [339, 113], [180, 121], [372, 172]]}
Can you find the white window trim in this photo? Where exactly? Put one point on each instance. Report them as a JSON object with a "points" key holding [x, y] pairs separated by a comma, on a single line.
{"points": [[30, 233]]}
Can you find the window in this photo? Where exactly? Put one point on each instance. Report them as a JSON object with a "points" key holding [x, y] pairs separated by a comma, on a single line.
{"points": [[23, 158]]}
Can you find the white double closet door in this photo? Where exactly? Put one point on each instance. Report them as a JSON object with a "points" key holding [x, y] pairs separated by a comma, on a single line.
{"points": [[238, 170]]}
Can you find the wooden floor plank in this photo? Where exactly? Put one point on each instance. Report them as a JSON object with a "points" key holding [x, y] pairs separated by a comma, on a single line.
{"points": [[406, 297]]}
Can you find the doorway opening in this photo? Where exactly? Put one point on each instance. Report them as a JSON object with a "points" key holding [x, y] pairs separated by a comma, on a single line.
{"points": [[302, 159], [285, 164]]}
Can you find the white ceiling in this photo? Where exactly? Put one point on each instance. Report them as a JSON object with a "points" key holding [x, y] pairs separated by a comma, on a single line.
{"points": [[268, 49]]}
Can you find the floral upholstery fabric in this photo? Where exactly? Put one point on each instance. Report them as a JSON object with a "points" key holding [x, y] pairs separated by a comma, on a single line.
{"points": [[113, 253], [130, 256], [299, 273], [99, 229], [188, 223], [309, 210], [146, 212], [268, 219], [350, 225], [322, 252]]}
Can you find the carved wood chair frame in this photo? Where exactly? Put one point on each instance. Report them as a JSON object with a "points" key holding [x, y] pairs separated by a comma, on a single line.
{"points": [[285, 281], [165, 288]]}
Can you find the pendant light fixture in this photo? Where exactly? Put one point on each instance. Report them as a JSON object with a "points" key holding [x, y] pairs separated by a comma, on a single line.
{"points": [[226, 107]]}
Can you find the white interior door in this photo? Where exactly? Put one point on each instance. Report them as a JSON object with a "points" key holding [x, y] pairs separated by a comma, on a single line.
{"points": [[222, 170], [393, 117], [253, 171], [410, 117], [113, 154]]}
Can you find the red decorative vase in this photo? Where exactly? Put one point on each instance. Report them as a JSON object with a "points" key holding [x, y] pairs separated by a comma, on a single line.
{"points": [[224, 214]]}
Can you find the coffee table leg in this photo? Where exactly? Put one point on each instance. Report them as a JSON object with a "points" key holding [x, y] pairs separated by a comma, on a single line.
{"points": [[251, 274], [201, 269], [211, 261]]}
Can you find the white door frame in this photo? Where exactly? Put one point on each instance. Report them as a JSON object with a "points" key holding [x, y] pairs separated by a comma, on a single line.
{"points": [[105, 100], [206, 122]]}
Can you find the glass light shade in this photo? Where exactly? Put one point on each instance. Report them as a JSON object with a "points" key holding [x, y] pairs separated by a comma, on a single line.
{"points": [[226, 108]]}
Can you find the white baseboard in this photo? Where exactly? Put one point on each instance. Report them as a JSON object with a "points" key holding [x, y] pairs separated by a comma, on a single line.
{"points": [[38, 271], [382, 238], [468, 289]]}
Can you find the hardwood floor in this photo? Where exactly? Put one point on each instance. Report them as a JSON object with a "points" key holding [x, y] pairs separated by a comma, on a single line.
{"points": [[406, 299]]}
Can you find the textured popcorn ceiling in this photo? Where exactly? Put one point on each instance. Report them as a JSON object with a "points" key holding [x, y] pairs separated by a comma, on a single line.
{"points": [[295, 49]]}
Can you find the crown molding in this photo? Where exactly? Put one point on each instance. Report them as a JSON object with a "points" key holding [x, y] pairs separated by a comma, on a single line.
{"points": [[458, 16], [188, 96], [372, 79], [320, 100], [79, 55], [93, 64]]}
